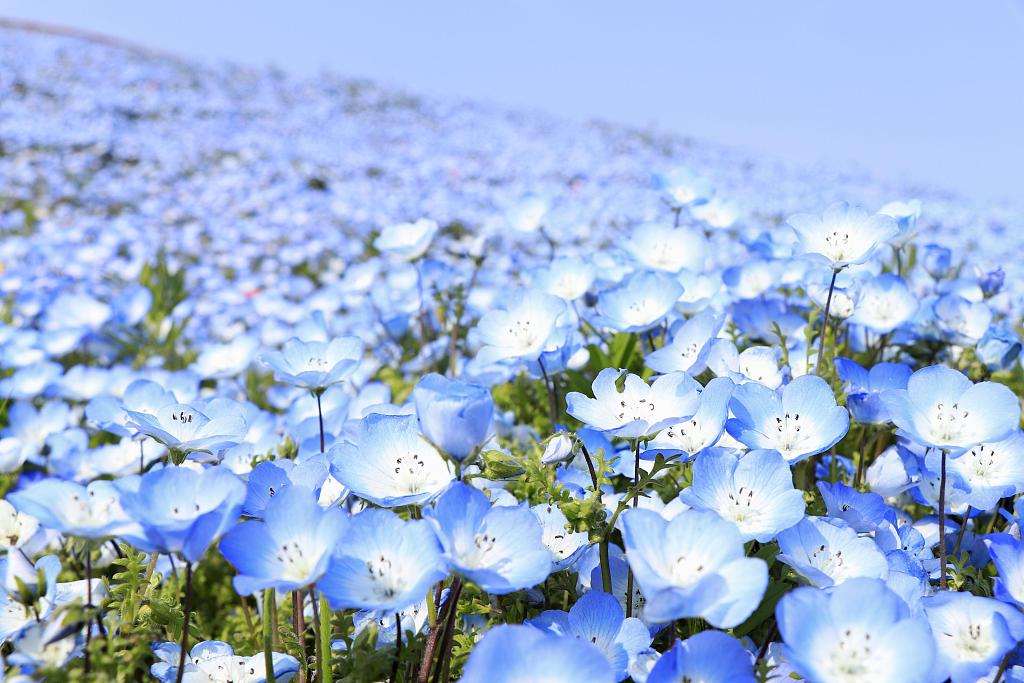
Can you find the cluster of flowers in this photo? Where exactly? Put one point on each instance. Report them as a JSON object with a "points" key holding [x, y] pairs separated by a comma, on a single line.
{"points": [[264, 422]]}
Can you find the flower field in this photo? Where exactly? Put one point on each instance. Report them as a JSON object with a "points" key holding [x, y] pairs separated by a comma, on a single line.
{"points": [[309, 379]]}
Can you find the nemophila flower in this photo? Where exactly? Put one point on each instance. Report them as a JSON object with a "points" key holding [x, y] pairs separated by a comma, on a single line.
{"points": [[890, 474], [527, 215], [828, 552], [761, 364], [717, 213], [753, 491], [287, 550], [1007, 555], [961, 321], [406, 241], [999, 349], [884, 303], [558, 450], [864, 387], [216, 662], [141, 396], [389, 463], [16, 528], [709, 657], [498, 548], [864, 512], [936, 260], [990, 471], [524, 329], [28, 429], [941, 408], [906, 215], [568, 277], [182, 510], [31, 381], [315, 365], [682, 187], [228, 359], [803, 421], [383, 562], [639, 303], [270, 477], [662, 247], [638, 409], [44, 645], [859, 631], [598, 618], [692, 566], [700, 430], [565, 546], [843, 235], [513, 654], [92, 511], [453, 415], [691, 342], [972, 634], [185, 429]]}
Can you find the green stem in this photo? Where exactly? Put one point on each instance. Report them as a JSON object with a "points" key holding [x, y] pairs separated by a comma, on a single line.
{"points": [[185, 621], [268, 632], [824, 323], [325, 641], [942, 522]]}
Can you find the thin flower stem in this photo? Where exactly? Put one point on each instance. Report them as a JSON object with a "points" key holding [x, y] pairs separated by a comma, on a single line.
{"points": [[88, 606], [325, 641], [552, 397], [320, 414], [436, 630], [942, 522], [299, 624], [960, 533], [268, 632], [398, 648], [636, 501], [824, 323], [441, 673], [185, 621]]}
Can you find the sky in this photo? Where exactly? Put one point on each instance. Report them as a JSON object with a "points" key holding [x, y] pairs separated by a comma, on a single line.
{"points": [[930, 91]]}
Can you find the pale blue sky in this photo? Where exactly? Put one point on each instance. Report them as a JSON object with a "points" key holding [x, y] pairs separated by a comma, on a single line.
{"points": [[929, 90]]}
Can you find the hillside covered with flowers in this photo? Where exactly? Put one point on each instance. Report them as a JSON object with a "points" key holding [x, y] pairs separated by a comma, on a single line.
{"points": [[311, 379]]}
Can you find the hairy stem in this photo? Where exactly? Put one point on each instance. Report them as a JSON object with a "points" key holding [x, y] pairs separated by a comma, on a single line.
{"points": [[185, 621], [824, 323]]}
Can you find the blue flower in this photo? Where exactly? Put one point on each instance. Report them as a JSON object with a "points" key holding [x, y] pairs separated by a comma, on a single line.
{"points": [[406, 241], [864, 512], [389, 463], [692, 566], [859, 631], [182, 510], [828, 552], [497, 548], [753, 491], [639, 409], [639, 303], [865, 387], [598, 618], [691, 342], [662, 247], [513, 654], [92, 511], [216, 661], [989, 471], [565, 546], [962, 322], [999, 349], [289, 549], [884, 303], [936, 260], [698, 431], [972, 634], [803, 421], [682, 187], [186, 429], [315, 365], [709, 657], [453, 415], [941, 408], [383, 563], [524, 329], [842, 235], [1008, 557]]}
